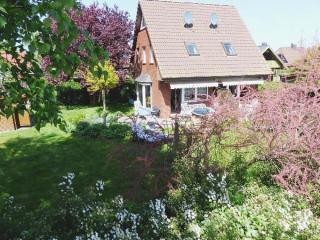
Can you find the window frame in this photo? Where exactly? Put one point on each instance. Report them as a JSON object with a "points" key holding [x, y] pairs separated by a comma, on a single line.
{"points": [[183, 98], [137, 56], [152, 60], [226, 50], [283, 58], [143, 94], [214, 25], [195, 46], [143, 23], [144, 56], [186, 15], [207, 93]]}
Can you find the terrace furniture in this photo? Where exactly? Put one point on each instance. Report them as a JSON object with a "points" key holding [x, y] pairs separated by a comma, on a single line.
{"points": [[141, 111], [149, 134], [201, 111], [187, 108]]}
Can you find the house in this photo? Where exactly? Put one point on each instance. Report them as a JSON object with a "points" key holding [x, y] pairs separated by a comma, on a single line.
{"points": [[291, 55], [17, 120], [184, 51], [274, 62]]}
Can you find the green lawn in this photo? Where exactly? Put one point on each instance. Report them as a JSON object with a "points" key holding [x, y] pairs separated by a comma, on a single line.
{"points": [[32, 164]]}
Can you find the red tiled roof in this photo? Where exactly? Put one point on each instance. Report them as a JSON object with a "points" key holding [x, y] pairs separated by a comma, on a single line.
{"points": [[165, 25]]}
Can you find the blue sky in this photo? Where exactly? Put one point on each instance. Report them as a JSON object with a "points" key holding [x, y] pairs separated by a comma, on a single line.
{"points": [[277, 22]]}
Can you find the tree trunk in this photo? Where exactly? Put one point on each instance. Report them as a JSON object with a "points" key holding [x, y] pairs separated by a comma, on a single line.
{"points": [[104, 114], [103, 93]]}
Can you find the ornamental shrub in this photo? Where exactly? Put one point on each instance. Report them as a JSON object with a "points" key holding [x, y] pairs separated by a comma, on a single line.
{"points": [[285, 127], [266, 214], [72, 93], [76, 118], [114, 130]]}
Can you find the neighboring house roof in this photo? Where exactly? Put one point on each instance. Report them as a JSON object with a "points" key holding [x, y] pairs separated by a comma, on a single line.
{"points": [[165, 25], [291, 55], [274, 61]]}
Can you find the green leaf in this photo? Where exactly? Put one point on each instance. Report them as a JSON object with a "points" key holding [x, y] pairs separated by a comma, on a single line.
{"points": [[2, 10], [47, 22], [68, 3], [44, 48], [3, 22]]}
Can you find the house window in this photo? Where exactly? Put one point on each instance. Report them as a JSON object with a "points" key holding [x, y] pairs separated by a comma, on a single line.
{"points": [[140, 94], [188, 19], [144, 95], [151, 56], [192, 49], [229, 49], [189, 94], [148, 96], [194, 94], [213, 21], [143, 23], [144, 55], [137, 55], [283, 58], [202, 93]]}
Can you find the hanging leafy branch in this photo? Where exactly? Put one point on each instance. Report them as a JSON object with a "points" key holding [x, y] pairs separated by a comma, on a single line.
{"points": [[30, 31]]}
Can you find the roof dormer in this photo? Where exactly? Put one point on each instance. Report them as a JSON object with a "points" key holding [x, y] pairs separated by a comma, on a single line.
{"points": [[214, 21], [188, 22]]}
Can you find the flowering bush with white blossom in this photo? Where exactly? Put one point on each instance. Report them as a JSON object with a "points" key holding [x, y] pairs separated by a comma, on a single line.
{"points": [[200, 196], [194, 212], [264, 215]]}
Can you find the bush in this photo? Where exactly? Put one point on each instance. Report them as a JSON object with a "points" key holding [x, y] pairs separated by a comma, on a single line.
{"points": [[76, 119], [111, 131], [270, 86], [286, 126], [72, 93], [123, 93], [264, 215], [71, 217]]}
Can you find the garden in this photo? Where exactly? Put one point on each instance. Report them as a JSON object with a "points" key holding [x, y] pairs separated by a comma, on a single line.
{"points": [[248, 170]]}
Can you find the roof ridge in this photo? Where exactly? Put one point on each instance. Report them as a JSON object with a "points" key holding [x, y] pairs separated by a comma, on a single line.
{"points": [[190, 2]]}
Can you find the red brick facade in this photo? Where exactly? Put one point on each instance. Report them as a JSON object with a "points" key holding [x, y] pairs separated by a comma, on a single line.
{"points": [[160, 90]]}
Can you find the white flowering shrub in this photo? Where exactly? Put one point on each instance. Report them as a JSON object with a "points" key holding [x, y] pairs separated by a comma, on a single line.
{"points": [[157, 218], [264, 215], [94, 218], [66, 186], [199, 196], [195, 211]]}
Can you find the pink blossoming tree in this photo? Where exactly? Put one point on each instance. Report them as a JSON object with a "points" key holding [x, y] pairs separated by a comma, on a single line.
{"points": [[286, 125]]}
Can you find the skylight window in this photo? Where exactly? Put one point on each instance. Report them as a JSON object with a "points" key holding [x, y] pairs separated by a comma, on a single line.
{"points": [[188, 19], [214, 21], [229, 49], [192, 49], [283, 58]]}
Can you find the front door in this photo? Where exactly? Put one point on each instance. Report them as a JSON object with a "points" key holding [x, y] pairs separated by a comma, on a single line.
{"points": [[175, 100]]}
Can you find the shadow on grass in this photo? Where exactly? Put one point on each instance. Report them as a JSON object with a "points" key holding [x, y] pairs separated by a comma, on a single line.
{"points": [[31, 168]]}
